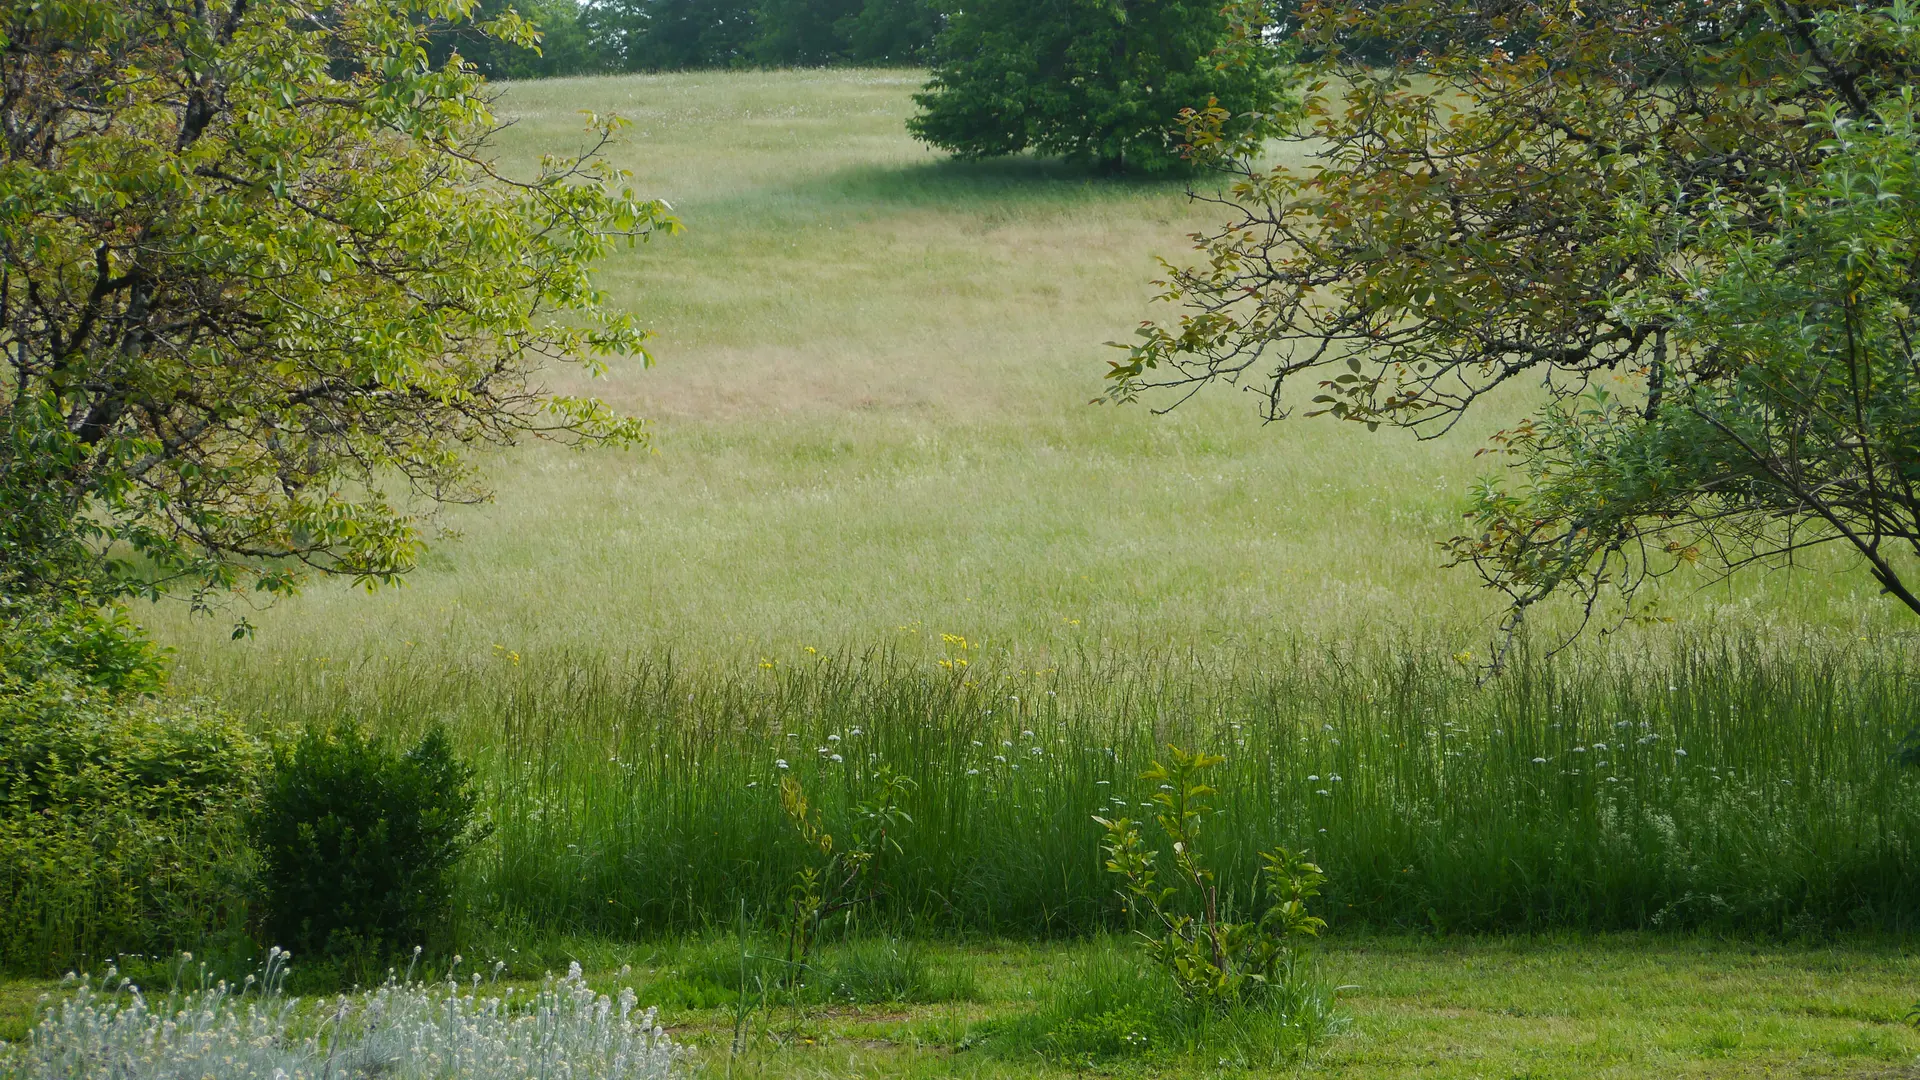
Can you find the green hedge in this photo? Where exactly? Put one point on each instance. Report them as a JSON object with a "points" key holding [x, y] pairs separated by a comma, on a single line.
{"points": [[121, 817]]}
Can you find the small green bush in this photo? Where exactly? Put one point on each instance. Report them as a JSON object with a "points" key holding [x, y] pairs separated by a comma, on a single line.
{"points": [[358, 841], [96, 646], [120, 821]]}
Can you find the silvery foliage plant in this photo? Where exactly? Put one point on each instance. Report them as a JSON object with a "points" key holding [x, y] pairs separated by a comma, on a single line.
{"points": [[402, 1030]]}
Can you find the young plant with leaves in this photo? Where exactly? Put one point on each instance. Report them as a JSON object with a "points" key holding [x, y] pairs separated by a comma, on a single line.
{"points": [[1212, 959], [1696, 208], [263, 291], [838, 876]]}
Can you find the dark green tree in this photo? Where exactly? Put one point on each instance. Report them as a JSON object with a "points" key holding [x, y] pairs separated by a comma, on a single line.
{"points": [[1099, 81], [892, 32], [803, 33], [673, 35], [566, 47]]}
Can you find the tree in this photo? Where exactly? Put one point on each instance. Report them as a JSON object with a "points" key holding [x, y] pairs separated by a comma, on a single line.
{"points": [[892, 32], [1691, 224], [672, 35], [815, 33], [802, 33], [262, 291], [1096, 81], [565, 45]]}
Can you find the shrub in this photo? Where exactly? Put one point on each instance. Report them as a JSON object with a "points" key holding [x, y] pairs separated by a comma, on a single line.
{"points": [[838, 878], [358, 842], [120, 822], [96, 646]]}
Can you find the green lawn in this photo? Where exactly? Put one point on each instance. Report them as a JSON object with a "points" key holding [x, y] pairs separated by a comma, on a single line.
{"points": [[1610, 1007], [1607, 1007]]}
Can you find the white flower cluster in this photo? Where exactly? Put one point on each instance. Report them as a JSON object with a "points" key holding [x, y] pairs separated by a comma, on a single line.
{"points": [[402, 1031]]}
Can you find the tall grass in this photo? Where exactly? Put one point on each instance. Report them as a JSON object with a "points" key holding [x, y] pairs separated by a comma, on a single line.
{"points": [[1716, 782]]}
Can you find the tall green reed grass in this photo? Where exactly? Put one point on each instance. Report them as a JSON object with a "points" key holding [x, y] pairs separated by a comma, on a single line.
{"points": [[1707, 782]]}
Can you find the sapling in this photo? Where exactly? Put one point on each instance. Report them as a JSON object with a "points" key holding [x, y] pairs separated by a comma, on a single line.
{"points": [[838, 876], [1212, 959]]}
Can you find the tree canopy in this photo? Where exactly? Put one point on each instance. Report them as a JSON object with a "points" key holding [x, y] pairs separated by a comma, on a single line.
{"points": [[1099, 82], [1692, 225], [566, 45], [263, 291]]}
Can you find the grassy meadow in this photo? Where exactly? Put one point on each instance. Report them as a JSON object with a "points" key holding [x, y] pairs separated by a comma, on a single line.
{"points": [[872, 421], [882, 510], [883, 526]]}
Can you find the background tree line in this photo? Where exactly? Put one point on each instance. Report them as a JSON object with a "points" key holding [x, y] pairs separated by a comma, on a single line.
{"points": [[671, 35], [668, 35]]}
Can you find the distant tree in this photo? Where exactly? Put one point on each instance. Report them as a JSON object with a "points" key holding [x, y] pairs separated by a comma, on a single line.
{"points": [[263, 292], [892, 32], [1099, 82], [803, 33], [565, 46], [674, 35], [1694, 225]]}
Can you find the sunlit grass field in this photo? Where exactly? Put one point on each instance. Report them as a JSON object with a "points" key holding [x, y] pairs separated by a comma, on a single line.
{"points": [[872, 413], [882, 510]]}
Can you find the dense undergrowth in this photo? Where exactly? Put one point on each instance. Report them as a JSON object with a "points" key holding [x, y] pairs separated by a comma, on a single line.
{"points": [[1715, 784], [121, 813]]}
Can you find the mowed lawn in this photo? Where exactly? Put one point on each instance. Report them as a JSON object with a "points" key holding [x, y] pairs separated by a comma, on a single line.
{"points": [[1611, 1007], [873, 420]]}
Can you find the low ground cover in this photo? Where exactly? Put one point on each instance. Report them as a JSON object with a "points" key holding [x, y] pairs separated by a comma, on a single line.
{"points": [[1606, 1006]]}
